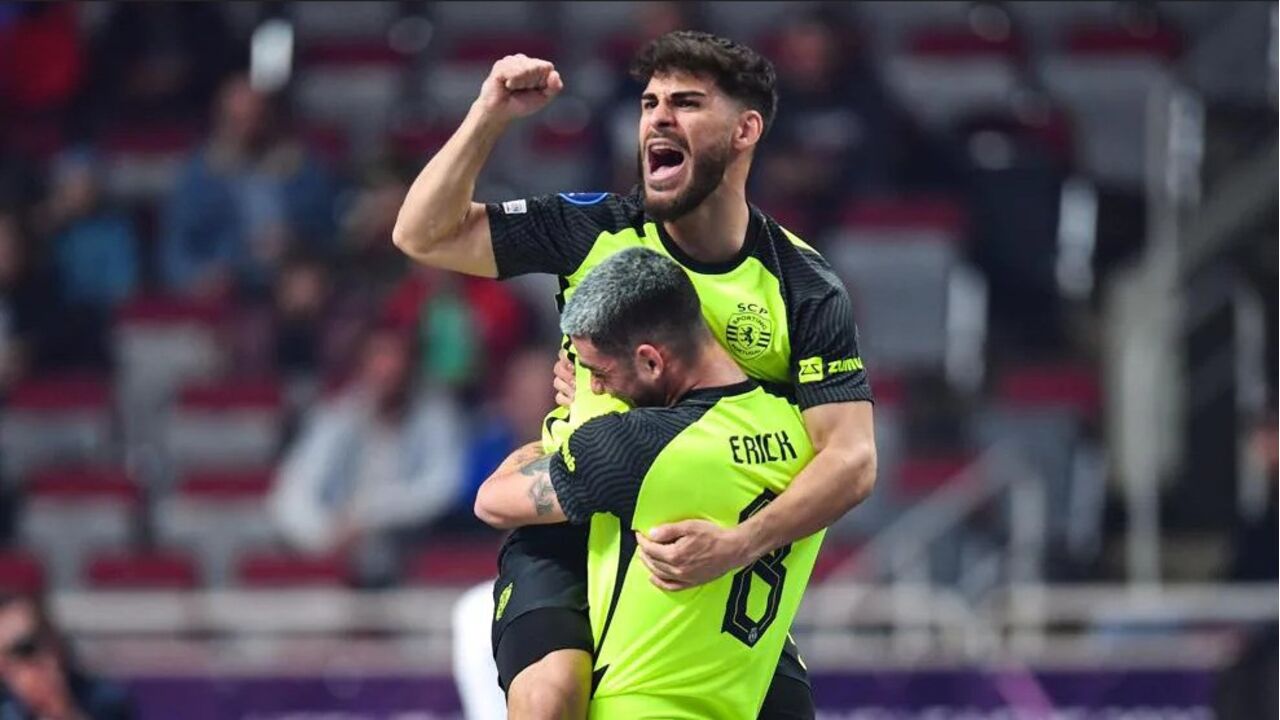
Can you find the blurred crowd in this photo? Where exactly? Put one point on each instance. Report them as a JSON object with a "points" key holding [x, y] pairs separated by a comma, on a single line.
{"points": [[407, 385]]}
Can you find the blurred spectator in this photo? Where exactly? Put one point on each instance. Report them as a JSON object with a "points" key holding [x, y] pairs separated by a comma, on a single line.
{"points": [[95, 247], [366, 250], [158, 62], [373, 465], [287, 334], [37, 330], [466, 324], [618, 144], [512, 418], [243, 199], [1247, 687], [41, 678], [831, 132], [41, 60], [1256, 556]]}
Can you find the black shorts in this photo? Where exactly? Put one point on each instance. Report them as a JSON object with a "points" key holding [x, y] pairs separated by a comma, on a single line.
{"points": [[540, 601], [540, 597], [790, 697]]}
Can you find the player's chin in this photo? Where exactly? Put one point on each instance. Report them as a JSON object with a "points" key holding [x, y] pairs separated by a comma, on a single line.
{"points": [[661, 201]]}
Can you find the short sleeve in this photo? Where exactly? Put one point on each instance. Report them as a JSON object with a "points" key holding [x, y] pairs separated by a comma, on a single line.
{"points": [[826, 366], [599, 469], [546, 234]]}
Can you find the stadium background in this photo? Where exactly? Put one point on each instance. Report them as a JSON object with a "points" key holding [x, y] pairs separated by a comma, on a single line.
{"points": [[1057, 221]]}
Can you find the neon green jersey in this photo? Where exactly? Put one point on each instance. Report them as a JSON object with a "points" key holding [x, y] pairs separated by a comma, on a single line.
{"points": [[720, 454], [777, 307]]}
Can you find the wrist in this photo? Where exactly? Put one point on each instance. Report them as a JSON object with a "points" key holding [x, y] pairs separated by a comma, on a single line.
{"points": [[486, 120], [754, 541], [746, 544]]}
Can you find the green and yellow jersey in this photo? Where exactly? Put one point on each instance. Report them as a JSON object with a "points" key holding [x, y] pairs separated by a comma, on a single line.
{"points": [[777, 307], [720, 454]]}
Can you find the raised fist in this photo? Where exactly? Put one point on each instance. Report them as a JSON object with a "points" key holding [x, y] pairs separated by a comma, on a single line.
{"points": [[519, 85]]}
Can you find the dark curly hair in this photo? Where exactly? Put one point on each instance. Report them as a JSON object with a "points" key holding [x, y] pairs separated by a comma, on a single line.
{"points": [[742, 73]]}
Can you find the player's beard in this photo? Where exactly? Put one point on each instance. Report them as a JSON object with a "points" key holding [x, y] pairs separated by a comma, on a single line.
{"points": [[705, 174]]}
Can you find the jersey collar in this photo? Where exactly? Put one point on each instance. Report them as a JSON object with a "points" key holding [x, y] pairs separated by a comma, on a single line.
{"points": [[755, 226], [712, 394]]}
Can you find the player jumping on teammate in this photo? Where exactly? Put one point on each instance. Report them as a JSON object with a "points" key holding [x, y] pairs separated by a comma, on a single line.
{"points": [[706, 105]]}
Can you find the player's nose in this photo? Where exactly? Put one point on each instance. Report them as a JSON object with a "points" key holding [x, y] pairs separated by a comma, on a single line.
{"points": [[661, 115]]}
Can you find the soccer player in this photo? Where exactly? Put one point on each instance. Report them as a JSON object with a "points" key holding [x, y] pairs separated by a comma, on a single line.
{"points": [[705, 441], [767, 297]]}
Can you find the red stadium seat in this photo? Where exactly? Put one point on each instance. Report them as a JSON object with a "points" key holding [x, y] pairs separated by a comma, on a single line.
{"points": [[162, 310], [961, 42], [905, 214], [352, 54], [280, 570], [83, 484], [354, 84], [922, 475], [1054, 386], [252, 485], [1111, 41], [880, 242], [151, 571], [142, 161], [234, 424], [73, 511], [455, 563], [834, 554], [486, 49], [56, 419], [217, 516], [21, 572]]}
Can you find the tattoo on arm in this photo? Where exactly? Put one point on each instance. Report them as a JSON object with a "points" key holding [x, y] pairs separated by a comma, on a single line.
{"points": [[540, 490]]}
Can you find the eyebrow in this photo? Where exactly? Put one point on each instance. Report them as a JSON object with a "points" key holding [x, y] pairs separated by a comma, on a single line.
{"points": [[591, 368], [678, 95]]}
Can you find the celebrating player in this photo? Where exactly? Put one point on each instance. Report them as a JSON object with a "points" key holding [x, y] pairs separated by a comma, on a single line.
{"points": [[769, 299], [705, 441]]}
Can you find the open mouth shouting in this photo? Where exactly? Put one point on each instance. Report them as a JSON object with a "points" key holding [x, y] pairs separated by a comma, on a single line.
{"points": [[664, 163]]}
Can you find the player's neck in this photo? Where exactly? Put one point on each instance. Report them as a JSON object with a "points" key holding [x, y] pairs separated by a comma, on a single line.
{"points": [[711, 368], [716, 230]]}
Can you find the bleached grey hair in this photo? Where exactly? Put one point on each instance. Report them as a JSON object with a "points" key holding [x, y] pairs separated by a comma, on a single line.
{"points": [[634, 296]]}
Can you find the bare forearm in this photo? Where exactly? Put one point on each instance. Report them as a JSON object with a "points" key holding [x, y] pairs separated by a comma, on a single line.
{"points": [[440, 198], [522, 455], [520, 492], [832, 484]]}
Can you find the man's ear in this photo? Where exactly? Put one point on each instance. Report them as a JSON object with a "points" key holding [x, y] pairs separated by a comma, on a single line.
{"points": [[649, 361], [749, 130]]}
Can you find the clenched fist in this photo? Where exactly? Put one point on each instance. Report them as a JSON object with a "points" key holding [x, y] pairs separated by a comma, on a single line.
{"points": [[518, 86]]}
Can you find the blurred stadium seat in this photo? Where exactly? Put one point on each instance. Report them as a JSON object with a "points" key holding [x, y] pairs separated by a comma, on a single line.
{"points": [[72, 512], [896, 256], [142, 571], [217, 517], [228, 425], [273, 569], [57, 420]]}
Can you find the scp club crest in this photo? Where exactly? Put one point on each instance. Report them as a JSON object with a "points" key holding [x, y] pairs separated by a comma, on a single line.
{"points": [[748, 334]]}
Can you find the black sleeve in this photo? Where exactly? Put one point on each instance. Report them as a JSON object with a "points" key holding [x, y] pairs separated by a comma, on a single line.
{"points": [[548, 233], [826, 366], [596, 469]]}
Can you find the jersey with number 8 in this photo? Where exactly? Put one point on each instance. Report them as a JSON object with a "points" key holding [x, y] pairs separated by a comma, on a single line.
{"points": [[719, 454]]}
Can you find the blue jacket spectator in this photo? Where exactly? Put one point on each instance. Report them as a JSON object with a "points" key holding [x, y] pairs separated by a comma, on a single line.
{"points": [[242, 200], [95, 246]]}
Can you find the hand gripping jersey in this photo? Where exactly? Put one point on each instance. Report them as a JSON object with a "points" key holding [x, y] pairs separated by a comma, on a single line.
{"points": [[777, 307], [720, 454]]}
